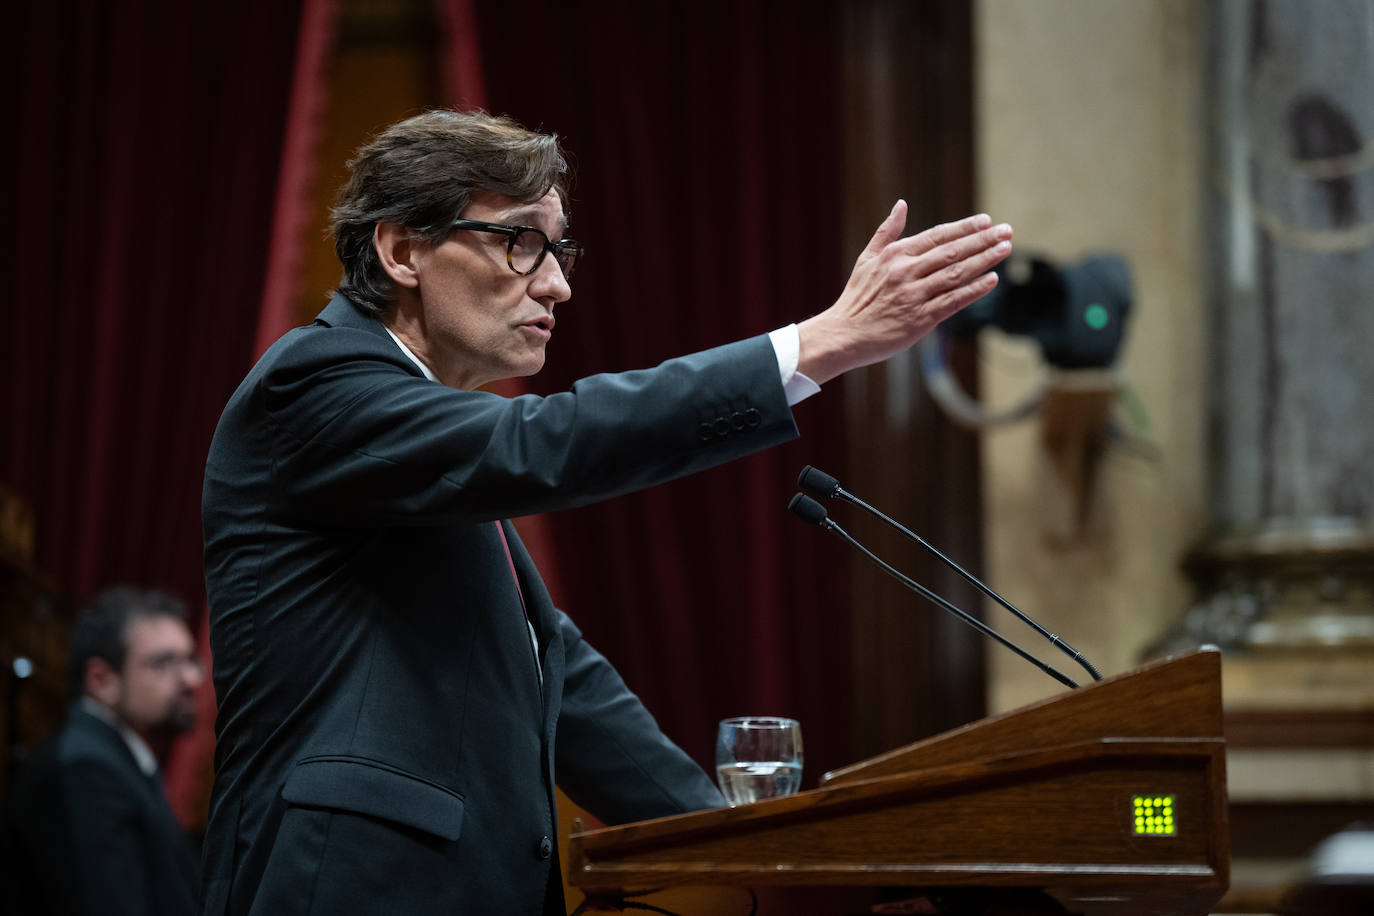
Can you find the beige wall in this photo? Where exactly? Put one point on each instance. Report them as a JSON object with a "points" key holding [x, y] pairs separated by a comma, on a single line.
{"points": [[1088, 140]]}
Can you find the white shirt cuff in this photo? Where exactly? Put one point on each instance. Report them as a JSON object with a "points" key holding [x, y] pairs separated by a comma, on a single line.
{"points": [[787, 347]]}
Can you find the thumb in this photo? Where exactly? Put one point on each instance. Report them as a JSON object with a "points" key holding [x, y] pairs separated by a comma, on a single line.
{"points": [[889, 230]]}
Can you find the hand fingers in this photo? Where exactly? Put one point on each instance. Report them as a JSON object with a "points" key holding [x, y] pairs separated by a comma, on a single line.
{"points": [[889, 230], [969, 278], [952, 264], [957, 245], [952, 300], [966, 255], [944, 233]]}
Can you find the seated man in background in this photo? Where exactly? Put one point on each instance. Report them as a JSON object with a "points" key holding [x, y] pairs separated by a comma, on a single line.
{"points": [[397, 692], [90, 827]]}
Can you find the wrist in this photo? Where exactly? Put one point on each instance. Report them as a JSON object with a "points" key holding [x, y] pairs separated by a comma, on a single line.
{"points": [[823, 352]]}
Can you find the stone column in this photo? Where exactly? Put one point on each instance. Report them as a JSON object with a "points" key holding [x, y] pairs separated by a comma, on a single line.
{"points": [[1290, 113]]}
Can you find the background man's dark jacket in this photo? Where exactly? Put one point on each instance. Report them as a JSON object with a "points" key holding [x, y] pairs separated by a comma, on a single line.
{"points": [[91, 834], [386, 743]]}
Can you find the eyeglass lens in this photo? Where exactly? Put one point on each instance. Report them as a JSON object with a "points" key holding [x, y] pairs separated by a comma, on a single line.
{"points": [[528, 249]]}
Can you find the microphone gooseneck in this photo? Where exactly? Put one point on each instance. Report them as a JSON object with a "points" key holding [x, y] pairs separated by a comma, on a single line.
{"points": [[821, 485], [808, 510]]}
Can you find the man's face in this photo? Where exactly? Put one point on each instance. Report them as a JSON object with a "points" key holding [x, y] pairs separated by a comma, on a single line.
{"points": [[157, 686], [480, 321]]}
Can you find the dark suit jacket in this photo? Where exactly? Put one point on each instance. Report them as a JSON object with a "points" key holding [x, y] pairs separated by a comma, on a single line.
{"points": [[386, 744], [92, 835]]}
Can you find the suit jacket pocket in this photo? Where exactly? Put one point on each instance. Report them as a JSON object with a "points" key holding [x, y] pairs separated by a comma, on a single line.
{"points": [[376, 789]]}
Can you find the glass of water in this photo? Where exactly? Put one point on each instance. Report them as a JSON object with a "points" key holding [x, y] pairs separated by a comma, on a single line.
{"points": [[758, 757]]}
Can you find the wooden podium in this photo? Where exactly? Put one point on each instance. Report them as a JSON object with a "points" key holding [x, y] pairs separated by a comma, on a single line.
{"points": [[1109, 799]]}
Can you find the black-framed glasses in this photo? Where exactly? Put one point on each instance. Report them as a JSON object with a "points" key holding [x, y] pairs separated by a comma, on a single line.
{"points": [[527, 246]]}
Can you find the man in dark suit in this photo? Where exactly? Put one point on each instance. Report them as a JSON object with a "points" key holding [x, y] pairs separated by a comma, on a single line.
{"points": [[396, 689], [90, 826]]}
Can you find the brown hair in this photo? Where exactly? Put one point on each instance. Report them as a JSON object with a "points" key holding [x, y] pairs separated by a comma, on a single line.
{"points": [[421, 173], [101, 629]]}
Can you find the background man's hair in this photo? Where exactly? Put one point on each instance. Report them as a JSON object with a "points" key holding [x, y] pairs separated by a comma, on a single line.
{"points": [[421, 173], [101, 629]]}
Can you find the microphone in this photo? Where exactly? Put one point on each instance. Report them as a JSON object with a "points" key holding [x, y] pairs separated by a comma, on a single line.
{"points": [[821, 485], [812, 512]]}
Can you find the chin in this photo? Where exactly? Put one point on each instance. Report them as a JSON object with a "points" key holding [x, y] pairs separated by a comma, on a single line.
{"points": [[531, 367], [179, 720], [177, 726]]}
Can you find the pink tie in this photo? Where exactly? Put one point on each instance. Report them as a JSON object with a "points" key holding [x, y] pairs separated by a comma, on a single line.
{"points": [[511, 562]]}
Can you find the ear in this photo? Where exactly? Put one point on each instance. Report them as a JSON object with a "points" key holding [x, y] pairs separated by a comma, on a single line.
{"points": [[103, 683], [396, 250]]}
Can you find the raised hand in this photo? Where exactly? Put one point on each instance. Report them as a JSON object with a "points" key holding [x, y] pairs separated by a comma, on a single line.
{"points": [[900, 289]]}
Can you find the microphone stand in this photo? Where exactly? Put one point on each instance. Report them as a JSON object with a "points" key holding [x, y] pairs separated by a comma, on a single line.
{"points": [[818, 483], [811, 511]]}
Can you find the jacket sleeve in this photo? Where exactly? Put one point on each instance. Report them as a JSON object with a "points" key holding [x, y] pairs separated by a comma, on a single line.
{"points": [[611, 757], [353, 434]]}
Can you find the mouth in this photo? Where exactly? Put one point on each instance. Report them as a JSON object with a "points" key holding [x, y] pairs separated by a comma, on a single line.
{"points": [[541, 327]]}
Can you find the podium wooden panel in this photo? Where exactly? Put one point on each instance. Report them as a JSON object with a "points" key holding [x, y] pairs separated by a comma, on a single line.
{"points": [[1038, 798]]}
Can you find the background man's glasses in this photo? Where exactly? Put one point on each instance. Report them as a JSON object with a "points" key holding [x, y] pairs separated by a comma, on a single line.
{"points": [[527, 246], [165, 663]]}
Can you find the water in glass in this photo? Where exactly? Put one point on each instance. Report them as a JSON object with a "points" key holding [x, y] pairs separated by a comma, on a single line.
{"points": [[758, 757]]}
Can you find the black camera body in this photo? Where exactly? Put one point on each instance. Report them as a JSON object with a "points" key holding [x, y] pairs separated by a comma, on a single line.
{"points": [[1077, 314]]}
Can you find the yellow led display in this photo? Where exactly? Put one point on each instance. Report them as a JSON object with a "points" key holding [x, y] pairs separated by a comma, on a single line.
{"points": [[1153, 815]]}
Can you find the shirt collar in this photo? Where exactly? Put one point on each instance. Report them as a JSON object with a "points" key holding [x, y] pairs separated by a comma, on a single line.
{"points": [[143, 755], [413, 358]]}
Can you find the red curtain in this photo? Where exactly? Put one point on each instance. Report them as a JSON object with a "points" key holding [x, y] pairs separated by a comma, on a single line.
{"points": [[190, 768], [144, 163], [706, 142], [146, 147]]}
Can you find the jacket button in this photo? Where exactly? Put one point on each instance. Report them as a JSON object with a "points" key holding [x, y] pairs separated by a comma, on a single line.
{"points": [[722, 426], [752, 417], [545, 847], [705, 432]]}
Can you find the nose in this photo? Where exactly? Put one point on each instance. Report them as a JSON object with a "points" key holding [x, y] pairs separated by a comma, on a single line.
{"points": [[192, 673], [548, 284]]}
